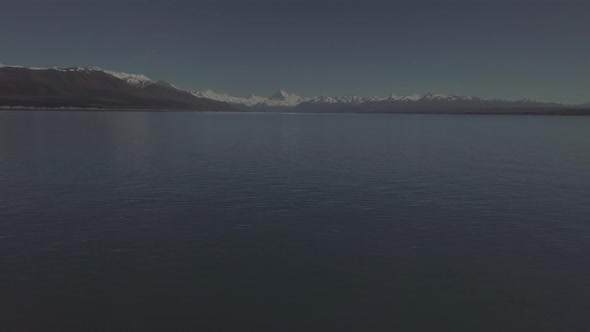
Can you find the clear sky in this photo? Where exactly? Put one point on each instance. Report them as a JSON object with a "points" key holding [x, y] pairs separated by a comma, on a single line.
{"points": [[513, 49]]}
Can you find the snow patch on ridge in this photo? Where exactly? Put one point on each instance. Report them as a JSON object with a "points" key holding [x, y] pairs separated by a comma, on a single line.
{"points": [[286, 99], [136, 80], [281, 98]]}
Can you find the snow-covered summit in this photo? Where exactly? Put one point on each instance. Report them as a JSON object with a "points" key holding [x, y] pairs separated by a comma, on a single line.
{"points": [[281, 95], [284, 98]]}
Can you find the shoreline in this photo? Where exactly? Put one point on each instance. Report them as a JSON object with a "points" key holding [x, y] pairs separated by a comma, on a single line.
{"points": [[544, 112]]}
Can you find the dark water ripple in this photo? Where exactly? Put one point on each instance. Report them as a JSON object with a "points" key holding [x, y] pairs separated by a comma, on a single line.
{"points": [[178, 222]]}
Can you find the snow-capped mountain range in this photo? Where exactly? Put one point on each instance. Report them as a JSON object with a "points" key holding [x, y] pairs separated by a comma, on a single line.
{"points": [[284, 99], [96, 87]]}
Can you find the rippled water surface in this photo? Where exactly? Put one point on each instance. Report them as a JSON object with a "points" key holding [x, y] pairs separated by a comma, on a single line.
{"points": [[285, 222]]}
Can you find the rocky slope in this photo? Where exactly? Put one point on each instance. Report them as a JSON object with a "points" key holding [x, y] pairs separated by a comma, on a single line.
{"points": [[93, 88]]}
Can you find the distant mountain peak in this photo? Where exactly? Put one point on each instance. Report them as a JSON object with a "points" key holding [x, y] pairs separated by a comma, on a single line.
{"points": [[281, 95]]}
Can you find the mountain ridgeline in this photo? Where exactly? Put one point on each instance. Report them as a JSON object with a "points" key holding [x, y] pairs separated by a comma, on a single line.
{"points": [[93, 88], [83, 88], [428, 103]]}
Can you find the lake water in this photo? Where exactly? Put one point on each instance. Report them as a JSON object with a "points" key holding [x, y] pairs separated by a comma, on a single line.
{"points": [[137, 221]]}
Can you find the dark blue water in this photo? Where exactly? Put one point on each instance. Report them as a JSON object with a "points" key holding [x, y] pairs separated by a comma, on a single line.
{"points": [[284, 222]]}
